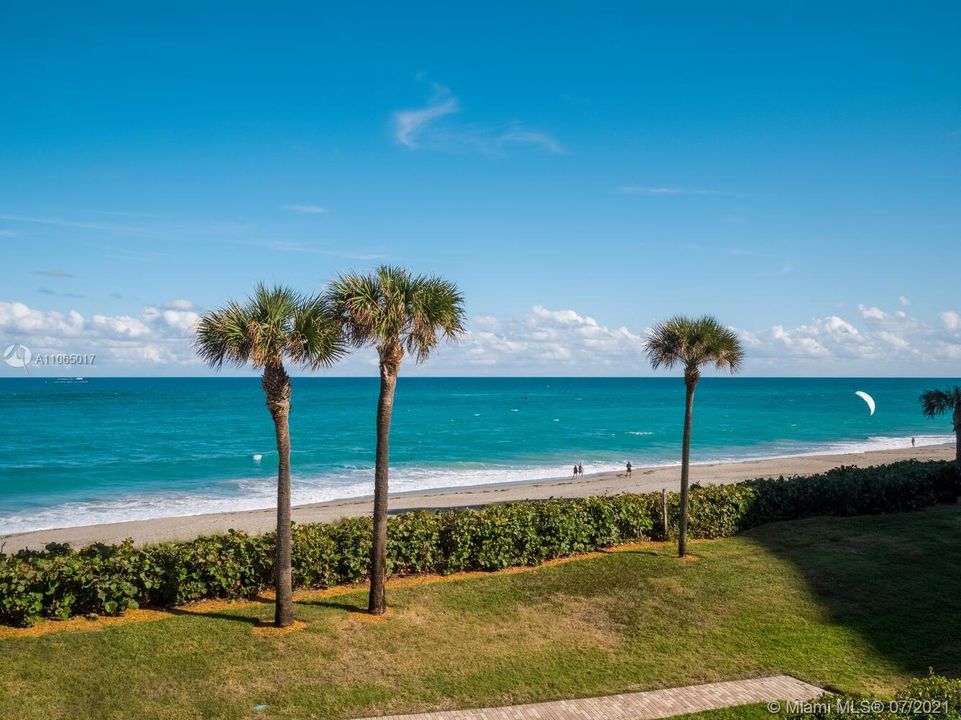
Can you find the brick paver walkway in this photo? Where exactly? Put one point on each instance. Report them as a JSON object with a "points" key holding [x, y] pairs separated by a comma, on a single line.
{"points": [[642, 705]]}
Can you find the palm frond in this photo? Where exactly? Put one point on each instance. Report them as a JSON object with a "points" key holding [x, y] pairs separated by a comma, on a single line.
{"points": [[436, 311], [394, 310], [694, 342], [222, 336], [317, 339], [939, 402], [274, 325]]}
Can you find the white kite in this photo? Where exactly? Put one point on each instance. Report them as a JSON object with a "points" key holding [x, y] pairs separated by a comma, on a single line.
{"points": [[867, 398]]}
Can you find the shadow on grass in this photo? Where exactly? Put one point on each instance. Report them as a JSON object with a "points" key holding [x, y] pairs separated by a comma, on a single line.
{"points": [[658, 553], [333, 605], [895, 580], [254, 621]]}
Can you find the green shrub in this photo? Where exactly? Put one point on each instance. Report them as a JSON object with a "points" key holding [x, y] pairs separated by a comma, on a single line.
{"points": [[59, 582], [930, 698]]}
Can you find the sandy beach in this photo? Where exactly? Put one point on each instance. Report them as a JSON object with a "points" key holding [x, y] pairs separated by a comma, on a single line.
{"points": [[643, 480]]}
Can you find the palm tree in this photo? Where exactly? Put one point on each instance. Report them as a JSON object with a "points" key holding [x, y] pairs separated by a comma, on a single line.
{"points": [[274, 325], [692, 343], [938, 402], [396, 313]]}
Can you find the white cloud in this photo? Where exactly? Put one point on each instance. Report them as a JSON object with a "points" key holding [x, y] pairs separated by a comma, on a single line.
{"points": [[542, 341], [75, 224], [18, 318], [295, 247], [517, 134], [886, 342], [409, 124], [951, 320], [306, 209], [156, 337], [179, 304], [425, 129], [182, 321], [120, 326], [872, 313], [904, 301], [785, 269]]}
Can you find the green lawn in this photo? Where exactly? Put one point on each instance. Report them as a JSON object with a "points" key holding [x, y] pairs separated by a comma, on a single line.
{"points": [[856, 604], [744, 712]]}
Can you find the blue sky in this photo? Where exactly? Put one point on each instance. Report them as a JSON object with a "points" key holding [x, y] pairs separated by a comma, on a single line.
{"points": [[579, 169]]}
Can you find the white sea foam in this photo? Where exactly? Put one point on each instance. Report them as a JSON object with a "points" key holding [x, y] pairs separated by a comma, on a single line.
{"points": [[256, 493]]}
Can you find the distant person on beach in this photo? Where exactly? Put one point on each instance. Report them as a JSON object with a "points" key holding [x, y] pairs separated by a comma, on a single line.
{"points": [[575, 473], [912, 442], [629, 468], [580, 470]]}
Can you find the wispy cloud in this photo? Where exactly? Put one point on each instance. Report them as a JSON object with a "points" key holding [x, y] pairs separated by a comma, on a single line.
{"points": [[296, 247], [166, 230], [410, 124], [48, 291], [306, 209], [76, 224], [785, 269], [424, 129], [517, 134], [53, 273], [664, 190]]}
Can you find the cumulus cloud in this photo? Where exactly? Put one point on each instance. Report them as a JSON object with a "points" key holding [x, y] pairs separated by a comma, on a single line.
{"points": [[883, 341], [158, 336], [177, 321], [951, 320], [542, 341], [19, 318], [120, 326], [179, 304]]}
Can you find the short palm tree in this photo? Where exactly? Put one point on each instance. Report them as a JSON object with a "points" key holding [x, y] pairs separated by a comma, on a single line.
{"points": [[397, 313], [274, 325], [939, 402], [692, 343]]}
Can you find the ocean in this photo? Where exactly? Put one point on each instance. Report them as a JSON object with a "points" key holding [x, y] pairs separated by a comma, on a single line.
{"points": [[76, 452]]}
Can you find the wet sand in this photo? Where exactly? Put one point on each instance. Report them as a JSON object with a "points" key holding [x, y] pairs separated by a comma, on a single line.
{"points": [[643, 480]]}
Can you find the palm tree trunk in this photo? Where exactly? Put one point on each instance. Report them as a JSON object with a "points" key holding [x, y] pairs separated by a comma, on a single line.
{"points": [[957, 437], [685, 466], [377, 603], [276, 385]]}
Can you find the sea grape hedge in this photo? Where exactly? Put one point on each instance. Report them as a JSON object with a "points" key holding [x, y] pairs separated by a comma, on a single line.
{"points": [[59, 582]]}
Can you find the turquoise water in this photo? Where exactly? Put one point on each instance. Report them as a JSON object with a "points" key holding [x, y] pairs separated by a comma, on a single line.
{"points": [[108, 449]]}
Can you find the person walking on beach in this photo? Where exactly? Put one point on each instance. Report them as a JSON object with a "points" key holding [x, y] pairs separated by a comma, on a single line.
{"points": [[912, 442], [629, 468], [580, 470], [574, 477]]}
